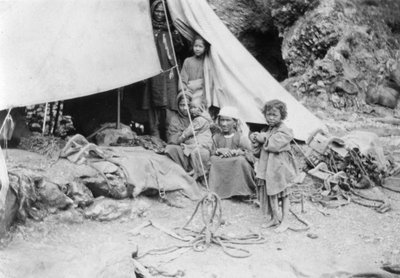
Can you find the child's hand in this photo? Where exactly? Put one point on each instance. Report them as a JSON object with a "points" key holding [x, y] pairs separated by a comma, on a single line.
{"points": [[260, 138], [253, 136]]}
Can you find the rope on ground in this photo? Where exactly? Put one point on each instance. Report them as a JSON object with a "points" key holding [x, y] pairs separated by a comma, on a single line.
{"points": [[211, 215], [301, 220]]}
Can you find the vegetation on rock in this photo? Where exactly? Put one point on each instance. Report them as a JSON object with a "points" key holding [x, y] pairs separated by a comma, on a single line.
{"points": [[337, 53]]}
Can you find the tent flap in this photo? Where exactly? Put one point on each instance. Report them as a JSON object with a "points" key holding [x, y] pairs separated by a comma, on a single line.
{"points": [[237, 77], [56, 49]]}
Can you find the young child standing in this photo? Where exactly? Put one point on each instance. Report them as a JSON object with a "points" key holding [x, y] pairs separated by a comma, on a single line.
{"points": [[276, 168], [192, 72]]}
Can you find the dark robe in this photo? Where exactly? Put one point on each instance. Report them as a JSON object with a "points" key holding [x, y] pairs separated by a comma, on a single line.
{"points": [[189, 160], [232, 176]]}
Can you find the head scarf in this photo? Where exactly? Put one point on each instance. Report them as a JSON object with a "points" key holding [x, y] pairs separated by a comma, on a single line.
{"points": [[180, 96], [229, 111], [233, 112], [157, 24]]}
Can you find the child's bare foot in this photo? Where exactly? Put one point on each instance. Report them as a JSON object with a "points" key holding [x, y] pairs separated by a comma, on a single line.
{"points": [[282, 227], [270, 223]]}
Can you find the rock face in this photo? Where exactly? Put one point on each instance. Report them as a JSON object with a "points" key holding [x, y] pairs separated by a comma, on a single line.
{"points": [[251, 22], [336, 53]]}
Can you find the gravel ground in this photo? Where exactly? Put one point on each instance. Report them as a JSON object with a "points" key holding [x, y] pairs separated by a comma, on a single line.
{"points": [[350, 239]]}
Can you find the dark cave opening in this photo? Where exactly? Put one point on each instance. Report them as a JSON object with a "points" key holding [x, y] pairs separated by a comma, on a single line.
{"points": [[266, 48]]}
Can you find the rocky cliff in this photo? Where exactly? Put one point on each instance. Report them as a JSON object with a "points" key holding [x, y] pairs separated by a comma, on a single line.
{"points": [[330, 53]]}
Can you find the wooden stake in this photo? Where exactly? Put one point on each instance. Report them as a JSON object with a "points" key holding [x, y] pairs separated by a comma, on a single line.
{"points": [[120, 90], [45, 118]]}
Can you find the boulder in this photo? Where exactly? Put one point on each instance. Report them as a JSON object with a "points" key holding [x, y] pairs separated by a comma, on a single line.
{"points": [[382, 95], [10, 213], [36, 195], [104, 209], [51, 196]]}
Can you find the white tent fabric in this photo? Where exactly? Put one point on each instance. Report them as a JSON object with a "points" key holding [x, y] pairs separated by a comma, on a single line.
{"points": [[237, 77], [59, 49]]}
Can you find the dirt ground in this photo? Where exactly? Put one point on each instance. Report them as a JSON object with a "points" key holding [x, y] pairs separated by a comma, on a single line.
{"points": [[351, 239]]}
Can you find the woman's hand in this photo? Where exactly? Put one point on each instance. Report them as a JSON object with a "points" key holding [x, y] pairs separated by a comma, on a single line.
{"points": [[222, 152], [225, 152]]}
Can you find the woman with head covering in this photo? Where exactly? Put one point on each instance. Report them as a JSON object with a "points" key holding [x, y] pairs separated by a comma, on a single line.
{"points": [[231, 172], [182, 147], [159, 96]]}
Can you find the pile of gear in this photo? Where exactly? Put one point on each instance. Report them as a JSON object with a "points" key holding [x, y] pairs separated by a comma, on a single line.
{"points": [[109, 135], [49, 146], [350, 169], [148, 142]]}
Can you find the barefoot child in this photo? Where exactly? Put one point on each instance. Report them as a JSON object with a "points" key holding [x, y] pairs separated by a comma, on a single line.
{"points": [[276, 168], [192, 70]]}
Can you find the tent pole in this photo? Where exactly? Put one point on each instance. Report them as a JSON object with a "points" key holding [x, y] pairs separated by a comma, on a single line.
{"points": [[184, 96], [119, 108], [45, 118]]}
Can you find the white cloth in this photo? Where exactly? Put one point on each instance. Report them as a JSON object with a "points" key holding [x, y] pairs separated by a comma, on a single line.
{"points": [[54, 49]]}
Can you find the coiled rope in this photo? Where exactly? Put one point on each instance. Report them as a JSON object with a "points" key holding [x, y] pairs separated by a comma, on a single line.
{"points": [[199, 241]]}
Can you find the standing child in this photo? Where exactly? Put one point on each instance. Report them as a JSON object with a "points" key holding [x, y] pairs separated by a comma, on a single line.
{"points": [[193, 69], [276, 168]]}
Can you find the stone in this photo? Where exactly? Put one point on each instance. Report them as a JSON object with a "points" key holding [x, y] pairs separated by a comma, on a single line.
{"points": [[8, 217], [50, 195], [383, 96], [345, 86], [105, 209], [70, 216]]}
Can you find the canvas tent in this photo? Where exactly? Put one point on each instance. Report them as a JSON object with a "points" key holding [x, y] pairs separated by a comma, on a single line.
{"points": [[58, 49]]}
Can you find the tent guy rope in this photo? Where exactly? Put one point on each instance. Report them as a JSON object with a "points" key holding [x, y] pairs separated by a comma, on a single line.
{"points": [[184, 96]]}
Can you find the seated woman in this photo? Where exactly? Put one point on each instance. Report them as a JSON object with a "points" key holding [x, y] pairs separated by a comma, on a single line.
{"points": [[231, 172], [181, 146]]}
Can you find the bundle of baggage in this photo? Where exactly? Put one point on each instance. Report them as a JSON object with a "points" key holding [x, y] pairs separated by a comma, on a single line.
{"points": [[352, 168]]}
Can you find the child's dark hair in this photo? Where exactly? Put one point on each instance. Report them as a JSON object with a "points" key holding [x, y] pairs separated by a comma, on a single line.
{"points": [[206, 43], [276, 103]]}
